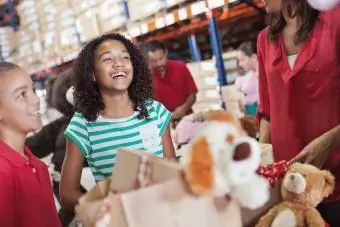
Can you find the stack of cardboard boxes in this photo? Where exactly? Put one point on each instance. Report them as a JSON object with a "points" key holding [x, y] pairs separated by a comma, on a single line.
{"points": [[205, 76], [29, 42], [112, 15], [7, 43], [140, 9]]}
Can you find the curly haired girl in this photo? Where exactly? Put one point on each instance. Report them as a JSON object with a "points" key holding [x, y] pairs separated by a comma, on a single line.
{"points": [[114, 109]]}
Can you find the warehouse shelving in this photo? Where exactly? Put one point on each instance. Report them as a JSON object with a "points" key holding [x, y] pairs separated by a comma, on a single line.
{"points": [[188, 23]]}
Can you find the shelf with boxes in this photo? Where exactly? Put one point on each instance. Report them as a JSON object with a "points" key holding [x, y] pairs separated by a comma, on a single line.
{"points": [[63, 26], [210, 94]]}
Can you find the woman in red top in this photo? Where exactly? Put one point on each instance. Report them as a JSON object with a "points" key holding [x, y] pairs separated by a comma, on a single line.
{"points": [[299, 76]]}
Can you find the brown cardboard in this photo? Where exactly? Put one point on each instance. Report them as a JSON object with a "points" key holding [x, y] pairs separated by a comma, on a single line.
{"points": [[127, 163], [267, 156], [174, 205]]}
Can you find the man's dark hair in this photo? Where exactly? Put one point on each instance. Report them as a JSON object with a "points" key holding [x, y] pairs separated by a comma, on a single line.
{"points": [[8, 66], [248, 48], [152, 46]]}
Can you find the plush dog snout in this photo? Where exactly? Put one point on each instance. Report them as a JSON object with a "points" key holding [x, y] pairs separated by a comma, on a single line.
{"points": [[242, 151]]}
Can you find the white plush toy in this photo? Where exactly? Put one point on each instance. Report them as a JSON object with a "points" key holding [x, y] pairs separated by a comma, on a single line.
{"points": [[222, 160], [324, 5]]}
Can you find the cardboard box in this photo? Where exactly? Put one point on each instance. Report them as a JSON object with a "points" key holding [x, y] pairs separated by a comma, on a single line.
{"points": [[140, 9], [267, 155], [127, 167], [87, 26]]}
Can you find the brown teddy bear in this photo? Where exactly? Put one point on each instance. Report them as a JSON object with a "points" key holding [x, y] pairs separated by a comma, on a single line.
{"points": [[303, 188]]}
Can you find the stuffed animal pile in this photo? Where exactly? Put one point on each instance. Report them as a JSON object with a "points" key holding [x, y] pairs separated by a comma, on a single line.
{"points": [[303, 188], [222, 160]]}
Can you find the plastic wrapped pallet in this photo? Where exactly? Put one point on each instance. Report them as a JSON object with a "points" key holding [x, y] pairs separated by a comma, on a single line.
{"points": [[204, 75], [7, 41], [27, 12], [80, 6], [66, 31], [87, 26], [140, 9], [29, 44], [111, 15], [112, 23], [170, 3], [233, 99]]}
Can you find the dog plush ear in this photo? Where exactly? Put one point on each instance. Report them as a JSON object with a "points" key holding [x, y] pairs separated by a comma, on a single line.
{"points": [[329, 183], [199, 169]]}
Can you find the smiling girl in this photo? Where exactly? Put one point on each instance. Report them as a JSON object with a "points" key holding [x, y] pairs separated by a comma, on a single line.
{"points": [[112, 95]]}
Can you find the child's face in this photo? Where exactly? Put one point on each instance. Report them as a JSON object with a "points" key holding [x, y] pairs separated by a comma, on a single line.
{"points": [[19, 105], [244, 61], [113, 67]]}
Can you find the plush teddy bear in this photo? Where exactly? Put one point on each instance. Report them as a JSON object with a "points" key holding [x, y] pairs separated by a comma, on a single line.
{"points": [[303, 188], [50, 139], [324, 5], [222, 160]]}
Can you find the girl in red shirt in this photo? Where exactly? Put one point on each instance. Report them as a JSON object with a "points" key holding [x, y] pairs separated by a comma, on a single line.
{"points": [[299, 84]]}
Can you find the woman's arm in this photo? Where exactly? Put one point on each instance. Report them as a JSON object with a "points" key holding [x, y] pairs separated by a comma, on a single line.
{"points": [[264, 108], [70, 191], [264, 131], [168, 147]]}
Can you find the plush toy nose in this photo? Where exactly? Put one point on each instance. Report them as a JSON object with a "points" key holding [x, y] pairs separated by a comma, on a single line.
{"points": [[242, 151], [292, 177]]}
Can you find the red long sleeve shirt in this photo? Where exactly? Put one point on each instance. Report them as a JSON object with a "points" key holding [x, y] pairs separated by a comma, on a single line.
{"points": [[302, 103], [174, 89], [26, 198]]}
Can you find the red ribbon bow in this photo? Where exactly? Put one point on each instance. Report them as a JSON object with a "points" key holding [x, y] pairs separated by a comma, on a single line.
{"points": [[274, 172]]}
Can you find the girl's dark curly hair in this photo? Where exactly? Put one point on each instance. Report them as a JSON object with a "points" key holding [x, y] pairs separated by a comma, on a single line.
{"points": [[294, 8], [88, 100]]}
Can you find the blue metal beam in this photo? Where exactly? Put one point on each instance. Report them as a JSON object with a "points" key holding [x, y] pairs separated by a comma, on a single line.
{"points": [[194, 49], [215, 42], [126, 9]]}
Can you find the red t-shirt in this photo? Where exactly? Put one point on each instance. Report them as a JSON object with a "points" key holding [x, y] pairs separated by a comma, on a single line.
{"points": [[302, 103], [174, 89], [26, 197]]}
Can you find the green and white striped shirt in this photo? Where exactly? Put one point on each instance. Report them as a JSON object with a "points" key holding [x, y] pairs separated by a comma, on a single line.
{"points": [[100, 140]]}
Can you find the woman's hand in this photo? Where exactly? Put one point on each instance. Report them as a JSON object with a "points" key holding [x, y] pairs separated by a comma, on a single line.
{"points": [[315, 153], [318, 151]]}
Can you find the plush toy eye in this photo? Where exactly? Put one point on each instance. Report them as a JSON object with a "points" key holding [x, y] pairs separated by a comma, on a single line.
{"points": [[242, 151]]}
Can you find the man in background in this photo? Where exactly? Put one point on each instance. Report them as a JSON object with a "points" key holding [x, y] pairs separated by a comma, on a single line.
{"points": [[174, 85]]}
